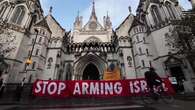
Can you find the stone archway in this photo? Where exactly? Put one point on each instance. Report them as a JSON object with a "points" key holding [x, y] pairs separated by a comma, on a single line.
{"points": [[84, 63], [91, 72], [176, 70]]}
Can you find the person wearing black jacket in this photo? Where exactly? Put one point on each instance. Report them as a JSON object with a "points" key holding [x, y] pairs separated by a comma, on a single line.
{"points": [[152, 79]]}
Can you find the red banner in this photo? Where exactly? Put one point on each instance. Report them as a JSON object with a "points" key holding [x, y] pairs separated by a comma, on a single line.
{"points": [[133, 87]]}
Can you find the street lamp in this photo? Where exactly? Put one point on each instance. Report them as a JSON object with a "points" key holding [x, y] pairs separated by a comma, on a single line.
{"points": [[19, 88], [29, 59]]}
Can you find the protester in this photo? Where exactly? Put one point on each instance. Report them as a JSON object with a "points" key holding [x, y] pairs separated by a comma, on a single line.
{"points": [[152, 79]]}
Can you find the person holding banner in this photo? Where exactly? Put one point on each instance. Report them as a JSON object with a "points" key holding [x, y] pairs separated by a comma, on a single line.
{"points": [[152, 79]]}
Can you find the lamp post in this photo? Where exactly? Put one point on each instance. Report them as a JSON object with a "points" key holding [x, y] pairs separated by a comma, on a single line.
{"points": [[19, 88], [29, 60]]}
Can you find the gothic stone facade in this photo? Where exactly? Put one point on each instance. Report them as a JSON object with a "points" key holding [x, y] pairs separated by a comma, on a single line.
{"points": [[84, 54]]}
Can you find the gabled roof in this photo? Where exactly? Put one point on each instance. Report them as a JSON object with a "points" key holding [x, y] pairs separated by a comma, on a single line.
{"points": [[124, 21], [55, 21], [136, 22], [43, 23], [87, 27]]}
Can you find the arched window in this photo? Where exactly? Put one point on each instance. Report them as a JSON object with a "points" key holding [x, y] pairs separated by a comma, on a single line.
{"points": [[37, 52], [137, 37], [3, 8], [140, 50], [147, 52], [50, 60], [144, 39], [33, 65], [143, 63], [150, 62], [18, 15], [155, 14], [40, 39], [68, 71], [170, 10]]}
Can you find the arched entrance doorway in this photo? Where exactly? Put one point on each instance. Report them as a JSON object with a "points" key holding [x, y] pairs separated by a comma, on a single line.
{"points": [[91, 72], [83, 64], [175, 67]]}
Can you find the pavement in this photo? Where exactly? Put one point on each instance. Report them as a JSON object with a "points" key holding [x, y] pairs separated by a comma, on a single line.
{"points": [[136, 105], [182, 102], [186, 96]]}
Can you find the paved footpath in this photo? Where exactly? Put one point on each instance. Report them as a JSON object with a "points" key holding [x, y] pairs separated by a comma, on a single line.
{"points": [[113, 107], [138, 105], [176, 105], [183, 102]]}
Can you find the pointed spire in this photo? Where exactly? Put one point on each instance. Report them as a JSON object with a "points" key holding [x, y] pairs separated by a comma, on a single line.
{"points": [[78, 21], [93, 14], [77, 18], [108, 23], [107, 18], [78, 13]]}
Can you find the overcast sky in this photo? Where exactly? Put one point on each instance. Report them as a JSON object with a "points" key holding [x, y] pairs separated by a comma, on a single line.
{"points": [[65, 11]]}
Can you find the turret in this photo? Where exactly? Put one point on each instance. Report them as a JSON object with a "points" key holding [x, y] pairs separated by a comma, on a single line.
{"points": [[78, 22], [107, 22], [81, 21], [104, 21], [93, 16]]}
